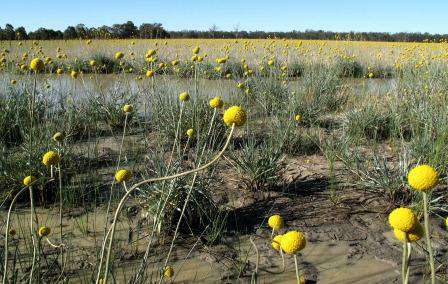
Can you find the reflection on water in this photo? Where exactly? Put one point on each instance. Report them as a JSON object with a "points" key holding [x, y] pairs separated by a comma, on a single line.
{"points": [[103, 85]]}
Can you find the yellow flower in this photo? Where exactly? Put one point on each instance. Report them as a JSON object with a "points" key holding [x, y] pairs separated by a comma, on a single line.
{"points": [[74, 74], [199, 58], [127, 108], [175, 62], [37, 64], [403, 219], [51, 158], [423, 178], [371, 75], [216, 102], [221, 60], [292, 242], [119, 55], [93, 63], [190, 133], [44, 231], [271, 62], [123, 175], [298, 117], [235, 115], [184, 96], [276, 242], [59, 71], [162, 65], [24, 67], [28, 180], [168, 272], [275, 222], [13, 81], [240, 85], [196, 50], [149, 73], [412, 236], [150, 53], [58, 137], [194, 58]]}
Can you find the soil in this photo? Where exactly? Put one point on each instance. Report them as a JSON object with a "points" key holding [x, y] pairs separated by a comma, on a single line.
{"points": [[348, 238]]}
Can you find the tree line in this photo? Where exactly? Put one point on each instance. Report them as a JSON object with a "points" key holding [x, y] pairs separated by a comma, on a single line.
{"points": [[157, 31]]}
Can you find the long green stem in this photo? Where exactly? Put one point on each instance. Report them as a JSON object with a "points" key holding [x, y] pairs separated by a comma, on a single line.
{"points": [[404, 262], [187, 199], [428, 238], [153, 180], [297, 269]]}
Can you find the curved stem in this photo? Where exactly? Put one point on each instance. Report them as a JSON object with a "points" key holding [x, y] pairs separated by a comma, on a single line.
{"points": [[255, 274], [187, 199], [153, 180], [8, 218], [428, 238]]}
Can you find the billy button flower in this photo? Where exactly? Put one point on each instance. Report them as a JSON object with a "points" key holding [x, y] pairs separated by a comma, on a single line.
{"points": [[74, 74], [51, 158], [196, 50], [423, 178], [149, 73], [275, 222], [190, 133], [298, 117], [184, 97], [58, 137], [291, 243], [60, 71], [43, 231], [28, 180], [168, 272], [216, 102], [128, 109], [276, 241], [403, 219], [235, 115], [411, 236], [37, 65], [93, 63], [119, 55], [123, 175]]}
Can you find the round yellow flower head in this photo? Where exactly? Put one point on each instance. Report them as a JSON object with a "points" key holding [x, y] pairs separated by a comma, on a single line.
{"points": [[271, 62], [58, 137], [93, 63], [403, 219], [276, 242], [235, 115], [190, 133], [200, 58], [221, 60], [275, 222], [446, 222], [162, 65], [150, 52], [168, 272], [37, 64], [13, 81], [59, 71], [149, 73], [44, 231], [123, 175], [423, 178], [292, 242], [28, 180], [412, 236], [216, 102], [175, 62], [184, 96], [371, 75], [298, 117], [127, 108], [51, 158], [194, 58], [196, 50], [240, 85], [74, 74], [24, 67], [119, 55]]}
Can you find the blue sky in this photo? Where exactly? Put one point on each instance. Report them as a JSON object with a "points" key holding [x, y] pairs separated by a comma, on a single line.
{"points": [[337, 15]]}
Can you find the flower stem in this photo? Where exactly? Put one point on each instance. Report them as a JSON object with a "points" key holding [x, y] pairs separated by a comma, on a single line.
{"points": [[428, 238], [297, 269]]}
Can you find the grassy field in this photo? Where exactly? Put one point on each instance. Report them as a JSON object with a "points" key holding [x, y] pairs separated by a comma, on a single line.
{"points": [[184, 160]]}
